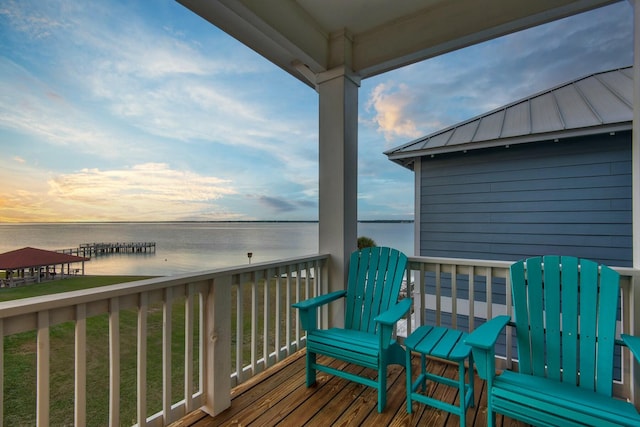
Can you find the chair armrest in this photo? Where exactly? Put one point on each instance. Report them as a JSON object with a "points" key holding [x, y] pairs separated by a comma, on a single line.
{"points": [[486, 335], [482, 342], [318, 301], [308, 314], [633, 343], [386, 322], [395, 313]]}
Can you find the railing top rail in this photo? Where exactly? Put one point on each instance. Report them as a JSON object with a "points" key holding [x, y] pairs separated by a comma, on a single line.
{"points": [[63, 299], [415, 261]]}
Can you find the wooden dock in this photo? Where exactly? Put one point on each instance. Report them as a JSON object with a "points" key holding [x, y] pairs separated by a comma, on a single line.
{"points": [[95, 249]]}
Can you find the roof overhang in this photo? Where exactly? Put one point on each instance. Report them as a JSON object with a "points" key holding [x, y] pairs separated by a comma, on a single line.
{"points": [[407, 159], [309, 37], [599, 103]]}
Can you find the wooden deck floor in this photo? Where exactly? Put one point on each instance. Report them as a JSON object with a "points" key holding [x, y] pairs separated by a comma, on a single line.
{"points": [[279, 397]]}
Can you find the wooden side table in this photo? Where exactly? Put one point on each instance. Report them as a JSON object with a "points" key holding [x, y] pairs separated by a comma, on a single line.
{"points": [[447, 344]]}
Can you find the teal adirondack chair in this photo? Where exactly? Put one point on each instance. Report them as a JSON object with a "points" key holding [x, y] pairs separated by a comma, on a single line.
{"points": [[565, 319], [371, 312]]}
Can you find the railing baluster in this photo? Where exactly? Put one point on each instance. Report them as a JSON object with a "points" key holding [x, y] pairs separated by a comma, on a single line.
{"points": [[266, 322], [166, 354], [472, 298], [288, 331], [141, 370], [254, 324], [278, 316], [43, 354], [509, 303], [80, 381], [303, 271], [239, 332], [114, 362], [298, 298], [489, 292], [201, 339], [188, 348], [438, 294], [423, 297], [454, 296]]}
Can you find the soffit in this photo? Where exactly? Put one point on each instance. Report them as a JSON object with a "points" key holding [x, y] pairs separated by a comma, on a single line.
{"points": [[369, 37]]}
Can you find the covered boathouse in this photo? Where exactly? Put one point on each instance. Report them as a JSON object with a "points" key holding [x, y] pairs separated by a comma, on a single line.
{"points": [[31, 265]]}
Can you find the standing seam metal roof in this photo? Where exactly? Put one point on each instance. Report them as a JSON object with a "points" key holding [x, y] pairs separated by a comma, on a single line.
{"points": [[600, 102]]}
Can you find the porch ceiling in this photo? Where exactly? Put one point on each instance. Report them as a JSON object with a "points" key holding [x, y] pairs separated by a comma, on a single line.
{"points": [[308, 37]]}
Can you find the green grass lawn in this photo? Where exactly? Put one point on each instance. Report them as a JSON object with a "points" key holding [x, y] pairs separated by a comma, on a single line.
{"points": [[20, 355], [64, 285]]}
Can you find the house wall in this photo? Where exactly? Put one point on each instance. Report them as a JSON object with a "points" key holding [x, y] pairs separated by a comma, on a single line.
{"points": [[571, 197]]}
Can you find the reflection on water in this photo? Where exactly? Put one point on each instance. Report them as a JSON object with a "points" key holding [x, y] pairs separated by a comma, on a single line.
{"points": [[188, 247]]}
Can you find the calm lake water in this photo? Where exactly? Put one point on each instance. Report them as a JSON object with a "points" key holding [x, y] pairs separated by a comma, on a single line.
{"points": [[187, 247]]}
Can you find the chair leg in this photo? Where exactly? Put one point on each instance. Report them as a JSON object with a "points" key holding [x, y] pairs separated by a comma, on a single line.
{"points": [[423, 370], [491, 416], [382, 388], [409, 382], [462, 393], [472, 380], [311, 370]]}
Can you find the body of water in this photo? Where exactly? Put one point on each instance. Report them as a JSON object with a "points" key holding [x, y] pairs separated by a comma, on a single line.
{"points": [[188, 247]]}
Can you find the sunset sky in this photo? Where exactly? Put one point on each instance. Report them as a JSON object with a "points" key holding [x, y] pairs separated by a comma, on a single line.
{"points": [[142, 111]]}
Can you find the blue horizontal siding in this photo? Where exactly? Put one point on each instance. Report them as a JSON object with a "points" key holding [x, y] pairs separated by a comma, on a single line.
{"points": [[568, 198]]}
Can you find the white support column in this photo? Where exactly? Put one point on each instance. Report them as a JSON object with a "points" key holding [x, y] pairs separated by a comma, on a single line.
{"points": [[338, 228], [635, 138], [417, 203], [635, 171]]}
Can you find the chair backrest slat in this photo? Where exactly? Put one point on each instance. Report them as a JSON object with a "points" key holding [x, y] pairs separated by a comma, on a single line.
{"points": [[375, 278], [552, 300], [376, 292], [587, 321], [608, 315], [565, 314], [521, 308], [371, 285], [569, 311]]}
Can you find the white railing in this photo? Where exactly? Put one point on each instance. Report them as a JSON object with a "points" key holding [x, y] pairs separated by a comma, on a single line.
{"points": [[198, 316], [198, 335], [441, 288]]}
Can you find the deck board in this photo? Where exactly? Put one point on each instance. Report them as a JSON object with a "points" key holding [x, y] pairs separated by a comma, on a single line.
{"points": [[279, 396]]}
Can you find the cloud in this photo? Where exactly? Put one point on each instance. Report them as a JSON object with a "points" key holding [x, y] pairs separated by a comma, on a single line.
{"points": [[88, 89], [462, 84], [152, 182], [36, 22], [152, 191], [389, 102], [31, 107], [431, 95], [281, 205]]}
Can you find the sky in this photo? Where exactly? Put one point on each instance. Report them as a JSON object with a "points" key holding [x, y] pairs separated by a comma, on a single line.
{"points": [[138, 110]]}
